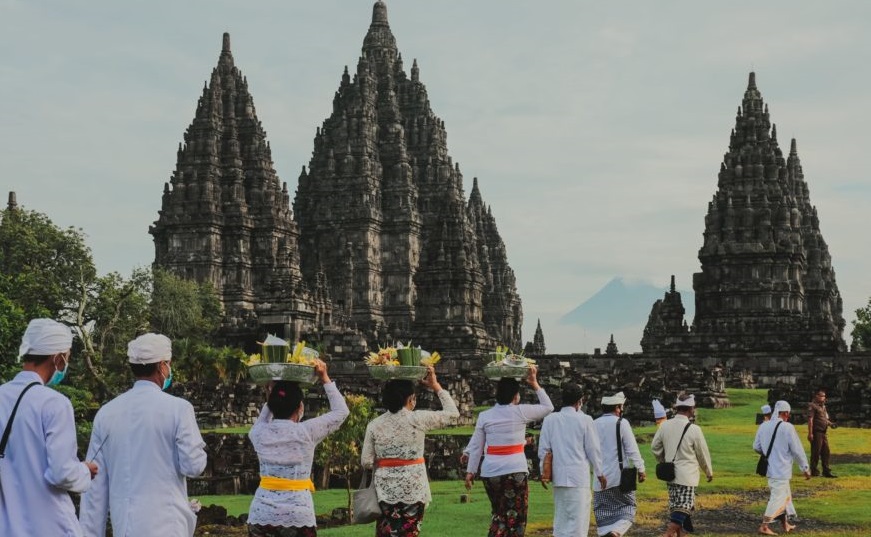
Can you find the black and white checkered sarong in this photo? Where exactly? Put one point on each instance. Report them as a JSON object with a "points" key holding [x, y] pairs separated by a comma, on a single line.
{"points": [[681, 498], [611, 506]]}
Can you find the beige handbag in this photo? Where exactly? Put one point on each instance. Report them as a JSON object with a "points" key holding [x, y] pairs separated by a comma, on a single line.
{"points": [[366, 508]]}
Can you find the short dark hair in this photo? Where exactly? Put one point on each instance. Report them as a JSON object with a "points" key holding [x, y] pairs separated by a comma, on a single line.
{"points": [[284, 399], [571, 394], [143, 370], [36, 358], [395, 394], [506, 389], [607, 409], [820, 390]]}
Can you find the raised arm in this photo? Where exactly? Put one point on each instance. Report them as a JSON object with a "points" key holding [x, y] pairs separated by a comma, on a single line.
{"points": [[433, 419], [319, 427]]}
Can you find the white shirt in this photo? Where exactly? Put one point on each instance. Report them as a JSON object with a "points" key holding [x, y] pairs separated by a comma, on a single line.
{"points": [[504, 425], [150, 444], [286, 449], [401, 436], [786, 449], [606, 429], [40, 464], [692, 455], [570, 435]]}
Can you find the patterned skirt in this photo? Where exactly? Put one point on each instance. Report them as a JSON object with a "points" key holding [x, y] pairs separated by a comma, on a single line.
{"points": [[509, 501], [259, 530], [611, 506], [399, 519], [681, 503]]}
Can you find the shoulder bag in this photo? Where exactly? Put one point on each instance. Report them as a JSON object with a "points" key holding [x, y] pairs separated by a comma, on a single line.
{"points": [[628, 476], [762, 464], [665, 470], [8, 430], [366, 508]]}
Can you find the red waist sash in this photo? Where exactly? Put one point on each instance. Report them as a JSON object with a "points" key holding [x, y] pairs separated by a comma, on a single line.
{"points": [[505, 450], [392, 463]]}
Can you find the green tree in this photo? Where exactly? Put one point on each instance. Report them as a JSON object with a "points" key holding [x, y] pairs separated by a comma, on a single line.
{"points": [[339, 453], [12, 325], [41, 265], [112, 311], [183, 308], [862, 328]]}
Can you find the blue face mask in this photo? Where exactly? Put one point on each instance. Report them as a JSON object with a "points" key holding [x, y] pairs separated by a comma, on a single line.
{"points": [[58, 375], [168, 381]]}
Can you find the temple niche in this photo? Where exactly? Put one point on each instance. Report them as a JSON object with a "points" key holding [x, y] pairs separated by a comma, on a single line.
{"points": [[766, 282], [381, 241]]}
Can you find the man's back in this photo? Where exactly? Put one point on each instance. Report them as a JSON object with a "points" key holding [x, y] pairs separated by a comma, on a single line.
{"points": [[40, 465], [148, 442], [785, 449]]}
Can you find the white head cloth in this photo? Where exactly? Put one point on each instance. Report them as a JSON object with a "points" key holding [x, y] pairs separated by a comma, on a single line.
{"points": [[149, 349], [616, 399], [782, 406], [689, 401], [45, 337], [658, 409], [766, 409]]}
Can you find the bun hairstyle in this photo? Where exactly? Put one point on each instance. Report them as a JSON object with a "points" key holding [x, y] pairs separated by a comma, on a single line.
{"points": [[396, 393], [284, 399], [506, 389]]}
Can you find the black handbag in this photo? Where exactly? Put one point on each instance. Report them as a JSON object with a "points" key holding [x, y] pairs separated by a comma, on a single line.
{"points": [[665, 470], [762, 463], [628, 476]]}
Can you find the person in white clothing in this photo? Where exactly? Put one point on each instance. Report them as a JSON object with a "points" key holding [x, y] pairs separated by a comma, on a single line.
{"points": [[393, 446], [568, 439], [40, 467], [499, 438], [786, 448], [285, 446], [615, 509], [682, 442], [148, 443]]}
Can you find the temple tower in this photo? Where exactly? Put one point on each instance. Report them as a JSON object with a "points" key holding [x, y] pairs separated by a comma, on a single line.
{"points": [[225, 216], [382, 212], [766, 281]]}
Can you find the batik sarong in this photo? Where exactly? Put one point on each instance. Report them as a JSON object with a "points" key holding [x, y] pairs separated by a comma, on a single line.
{"points": [[681, 503], [260, 530], [779, 501], [614, 510], [509, 501], [399, 519]]}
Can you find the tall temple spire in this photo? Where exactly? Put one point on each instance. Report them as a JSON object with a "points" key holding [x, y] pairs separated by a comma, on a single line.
{"points": [[766, 281], [381, 175], [225, 217], [13, 203]]}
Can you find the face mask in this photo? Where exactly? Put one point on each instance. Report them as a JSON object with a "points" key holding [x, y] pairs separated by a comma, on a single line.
{"points": [[168, 380], [58, 375]]}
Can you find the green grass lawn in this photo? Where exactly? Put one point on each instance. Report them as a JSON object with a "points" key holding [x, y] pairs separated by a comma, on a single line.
{"points": [[843, 502]]}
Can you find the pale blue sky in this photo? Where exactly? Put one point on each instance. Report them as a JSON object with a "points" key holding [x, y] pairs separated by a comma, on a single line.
{"points": [[596, 129]]}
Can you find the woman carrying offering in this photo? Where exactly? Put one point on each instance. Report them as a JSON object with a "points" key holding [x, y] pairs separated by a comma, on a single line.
{"points": [[499, 437], [285, 445], [394, 447]]}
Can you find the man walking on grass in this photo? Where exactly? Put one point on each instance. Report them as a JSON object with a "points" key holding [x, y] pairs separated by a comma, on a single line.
{"points": [[780, 437], [682, 442], [818, 424]]}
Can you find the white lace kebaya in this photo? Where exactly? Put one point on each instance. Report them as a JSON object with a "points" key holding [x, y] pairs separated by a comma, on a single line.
{"points": [[401, 436], [286, 450]]}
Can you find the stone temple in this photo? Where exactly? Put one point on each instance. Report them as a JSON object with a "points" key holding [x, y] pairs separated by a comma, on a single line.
{"points": [[766, 283], [381, 241]]}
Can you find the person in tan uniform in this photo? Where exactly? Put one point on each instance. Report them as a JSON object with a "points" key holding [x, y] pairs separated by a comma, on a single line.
{"points": [[818, 423]]}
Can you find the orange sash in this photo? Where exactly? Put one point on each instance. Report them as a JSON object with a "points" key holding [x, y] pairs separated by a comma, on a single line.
{"points": [[392, 463], [505, 450]]}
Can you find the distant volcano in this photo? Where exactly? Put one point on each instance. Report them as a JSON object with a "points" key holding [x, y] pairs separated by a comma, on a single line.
{"points": [[621, 304]]}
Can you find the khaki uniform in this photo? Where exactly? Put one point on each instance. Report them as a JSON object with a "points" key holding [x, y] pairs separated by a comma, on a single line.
{"points": [[820, 443]]}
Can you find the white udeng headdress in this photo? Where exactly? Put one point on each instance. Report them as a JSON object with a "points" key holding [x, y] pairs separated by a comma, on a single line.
{"points": [[658, 409], [149, 349], [689, 401], [45, 337], [782, 406]]}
